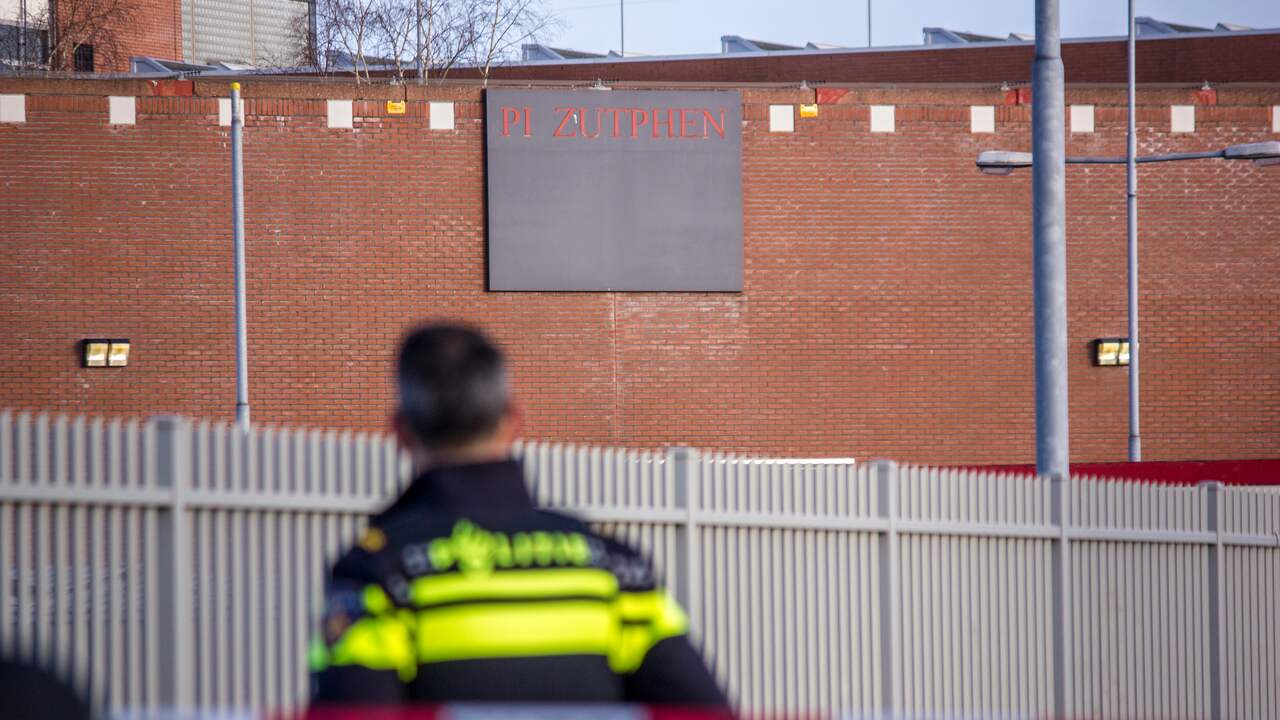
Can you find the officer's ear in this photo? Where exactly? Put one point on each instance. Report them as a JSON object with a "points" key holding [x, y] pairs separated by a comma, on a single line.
{"points": [[404, 433], [512, 424]]}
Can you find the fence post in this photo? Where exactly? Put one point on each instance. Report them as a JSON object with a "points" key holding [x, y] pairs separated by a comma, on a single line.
{"points": [[684, 463], [886, 477], [1213, 524], [173, 575], [1060, 511]]}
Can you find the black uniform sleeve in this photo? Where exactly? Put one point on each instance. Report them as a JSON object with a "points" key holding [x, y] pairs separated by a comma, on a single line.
{"points": [[673, 673], [362, 652]]}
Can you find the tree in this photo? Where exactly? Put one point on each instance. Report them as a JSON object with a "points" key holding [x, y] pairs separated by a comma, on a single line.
{"points": [[399, 36], [506, 26]]}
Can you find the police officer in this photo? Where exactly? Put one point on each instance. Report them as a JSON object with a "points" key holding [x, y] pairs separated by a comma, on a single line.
{"points": [[463, 590]]}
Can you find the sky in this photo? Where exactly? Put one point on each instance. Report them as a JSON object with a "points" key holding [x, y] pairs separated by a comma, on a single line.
{"points": [[667, 27]]}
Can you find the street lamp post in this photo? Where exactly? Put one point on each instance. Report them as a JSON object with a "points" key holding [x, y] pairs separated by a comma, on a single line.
{"points": [[1049, 244], [1003, 162], [1131, 177], [237, 234]]}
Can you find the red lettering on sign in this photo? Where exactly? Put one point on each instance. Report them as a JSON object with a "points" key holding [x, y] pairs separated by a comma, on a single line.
{"points": [[569, 114], [638, 117], [509, 115], [528, 126], [617, 115], [657, 119], [687, 114], [710, 120], [586, 134]]}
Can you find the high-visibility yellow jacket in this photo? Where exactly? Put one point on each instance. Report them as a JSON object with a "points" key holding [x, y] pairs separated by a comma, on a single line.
{"points": [[463, 590]]}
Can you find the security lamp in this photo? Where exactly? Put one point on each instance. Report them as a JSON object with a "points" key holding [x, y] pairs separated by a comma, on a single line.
{"points": [[1002, 162], [1111, 352], [94, 353], [98, 352], [1259, 151]]}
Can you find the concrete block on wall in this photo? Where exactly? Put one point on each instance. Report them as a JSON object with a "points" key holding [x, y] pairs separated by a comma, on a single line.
{"points": [[782, 118], [224, 111], [13, 108], [1182, 118], [1081, 118], [123, 110], [982, 118], [340, 114], [882, 118], [441, 114]]}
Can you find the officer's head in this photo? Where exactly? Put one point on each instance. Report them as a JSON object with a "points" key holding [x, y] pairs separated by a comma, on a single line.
{"points": [[455, 403]]}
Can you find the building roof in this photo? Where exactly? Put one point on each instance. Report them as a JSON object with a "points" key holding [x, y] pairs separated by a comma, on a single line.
{"points": [[943, 36], [534, 52]]}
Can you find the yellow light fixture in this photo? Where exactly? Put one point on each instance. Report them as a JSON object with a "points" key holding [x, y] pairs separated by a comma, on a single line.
{"points": [[102, 352], [118, 355], [1111, 352], [95, 353]]}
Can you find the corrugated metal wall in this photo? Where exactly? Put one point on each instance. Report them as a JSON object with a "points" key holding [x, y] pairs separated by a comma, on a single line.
{"points": [[177, 563], [257, 32]]}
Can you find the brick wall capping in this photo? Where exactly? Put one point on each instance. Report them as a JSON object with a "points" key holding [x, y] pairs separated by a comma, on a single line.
{"points": [[1240, 94], [291, 89], [432, 92], [68, 84]]}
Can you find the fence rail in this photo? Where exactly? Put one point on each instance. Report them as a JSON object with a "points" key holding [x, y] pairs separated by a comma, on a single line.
{"points": [[173, 563]]}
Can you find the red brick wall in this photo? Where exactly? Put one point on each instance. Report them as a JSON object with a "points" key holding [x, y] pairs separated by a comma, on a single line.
{"points": [[887, 309], [154, 29]]}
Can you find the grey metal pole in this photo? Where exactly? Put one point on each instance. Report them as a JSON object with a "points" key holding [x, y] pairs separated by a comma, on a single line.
{"points": [[868, 23], [1049, 251], [1135, 433], [417, 9], [622, 26], [237, 233]]}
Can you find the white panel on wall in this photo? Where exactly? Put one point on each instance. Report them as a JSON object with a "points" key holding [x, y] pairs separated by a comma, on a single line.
{"points": [[123, 110], [13, 108], [340, 114], [1275, 119], [441, 116], [882, 118], [1182, 118], [1082, 118], [224, 111], [982, 118], [782, 118]]}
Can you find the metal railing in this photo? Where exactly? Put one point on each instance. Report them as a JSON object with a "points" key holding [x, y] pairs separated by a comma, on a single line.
{"points": [[174, 563]]}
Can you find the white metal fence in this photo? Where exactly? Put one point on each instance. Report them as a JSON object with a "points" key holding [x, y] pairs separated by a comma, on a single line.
{"points": [[173, 563]]}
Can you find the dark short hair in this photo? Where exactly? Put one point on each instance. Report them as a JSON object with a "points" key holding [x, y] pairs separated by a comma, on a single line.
{"points": [[452, 384]]}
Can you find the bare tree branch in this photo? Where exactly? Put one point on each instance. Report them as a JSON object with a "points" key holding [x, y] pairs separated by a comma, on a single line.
{"points": [[430, 37], [59, 28]]}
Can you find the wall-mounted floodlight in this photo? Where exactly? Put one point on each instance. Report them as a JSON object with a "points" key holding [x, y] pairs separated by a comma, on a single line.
{"points": [[98, 352], [1111, 351], [1002, 162]]}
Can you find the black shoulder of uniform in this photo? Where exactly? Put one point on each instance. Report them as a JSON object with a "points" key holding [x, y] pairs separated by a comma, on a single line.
{"points": [[633, 570]]}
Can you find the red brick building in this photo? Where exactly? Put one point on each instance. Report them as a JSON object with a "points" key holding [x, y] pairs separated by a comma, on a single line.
{"points": [[887, 301]]}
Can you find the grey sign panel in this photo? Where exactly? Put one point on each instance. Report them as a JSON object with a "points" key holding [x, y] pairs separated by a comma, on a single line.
{"points": [[614, 190]]}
